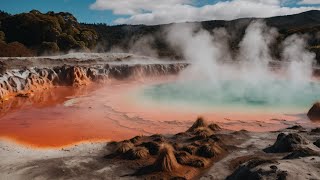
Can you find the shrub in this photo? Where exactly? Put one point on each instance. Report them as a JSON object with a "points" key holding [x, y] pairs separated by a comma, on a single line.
{"points": [[49, 48], [66, 42], [34, 28]]}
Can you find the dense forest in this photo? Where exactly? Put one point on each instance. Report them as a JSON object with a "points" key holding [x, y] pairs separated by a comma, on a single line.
{"points": [[36, 33]]}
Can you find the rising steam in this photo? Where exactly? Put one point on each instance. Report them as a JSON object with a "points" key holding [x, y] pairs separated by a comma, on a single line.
{"points": [[219, 76], [209, 52]]}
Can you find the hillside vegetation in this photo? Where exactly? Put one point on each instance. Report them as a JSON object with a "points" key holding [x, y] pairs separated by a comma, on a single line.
{"points": [[35, 33]]}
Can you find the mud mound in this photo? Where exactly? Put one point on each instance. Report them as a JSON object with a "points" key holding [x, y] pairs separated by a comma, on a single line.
{"points": [[209, 150], [215, 138], [125, 147], [200, 130], [214, 127], [176, 156], [191, 149], [135, 139], [314, 112], [166, 161], [202, 133], [158, 138], [296, 127], [303, 152], [137, 153], [200, 122], [316, 130], [152, 147], [185, 158], [287, 143], [252, 170]]}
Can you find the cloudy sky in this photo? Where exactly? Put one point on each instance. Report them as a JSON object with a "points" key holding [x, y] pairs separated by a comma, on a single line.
{"points": [[162, 11]]}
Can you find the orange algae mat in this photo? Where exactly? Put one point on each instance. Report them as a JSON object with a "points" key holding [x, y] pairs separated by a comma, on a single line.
{"points": [[64, 115]]}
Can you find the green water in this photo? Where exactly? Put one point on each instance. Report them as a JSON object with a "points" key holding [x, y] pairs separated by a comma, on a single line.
{"points": [[275, 94]]}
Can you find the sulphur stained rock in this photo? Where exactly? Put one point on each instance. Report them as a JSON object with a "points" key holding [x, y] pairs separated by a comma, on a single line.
{"points": [[13, 82]]}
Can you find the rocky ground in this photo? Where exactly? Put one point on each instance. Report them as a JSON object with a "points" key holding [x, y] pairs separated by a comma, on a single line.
{"points": [[204, 151]]}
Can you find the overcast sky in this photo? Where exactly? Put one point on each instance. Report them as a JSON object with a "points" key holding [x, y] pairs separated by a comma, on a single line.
{"points": [[162, 11]]}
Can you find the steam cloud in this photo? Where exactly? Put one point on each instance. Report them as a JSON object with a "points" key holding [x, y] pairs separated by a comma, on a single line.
{"points": [[245, 76], [210, 55]]}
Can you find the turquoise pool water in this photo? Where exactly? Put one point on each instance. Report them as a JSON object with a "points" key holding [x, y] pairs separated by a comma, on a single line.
{"points": [[274, 95]]}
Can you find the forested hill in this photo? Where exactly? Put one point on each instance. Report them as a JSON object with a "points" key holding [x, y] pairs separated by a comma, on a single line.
{"points": [[35, 33], [125, 35]]}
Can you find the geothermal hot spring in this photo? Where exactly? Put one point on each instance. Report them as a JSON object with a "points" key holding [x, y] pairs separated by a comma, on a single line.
{"points": [[250, 90]]}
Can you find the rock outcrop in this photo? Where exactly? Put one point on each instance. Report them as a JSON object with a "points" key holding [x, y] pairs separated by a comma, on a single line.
{"points": [[13, 82], [314, 112], [302, 152], [257, 169], [287, 143], [317, 143]]}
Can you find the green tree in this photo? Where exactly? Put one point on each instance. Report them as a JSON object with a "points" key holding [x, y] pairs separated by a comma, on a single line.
{"points": [[66, 42], [89, 37], [35, 30], [49, 48]]}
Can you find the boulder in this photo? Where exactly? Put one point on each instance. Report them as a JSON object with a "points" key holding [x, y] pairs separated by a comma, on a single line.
{"points": [[254, 170], [287, 143], [314, 112], [317, 143]]}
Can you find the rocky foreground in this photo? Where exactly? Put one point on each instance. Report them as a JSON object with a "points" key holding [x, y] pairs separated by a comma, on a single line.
{"points": [[204, 151], [22, 76]]}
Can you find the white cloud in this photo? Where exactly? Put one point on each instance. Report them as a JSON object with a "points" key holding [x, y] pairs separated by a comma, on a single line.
{"points": [[132, 7], [310, 2], [167, 11]]}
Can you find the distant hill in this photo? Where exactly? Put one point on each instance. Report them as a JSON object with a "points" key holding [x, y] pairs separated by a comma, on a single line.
{"points": [[36, 33], [124, 35]]}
